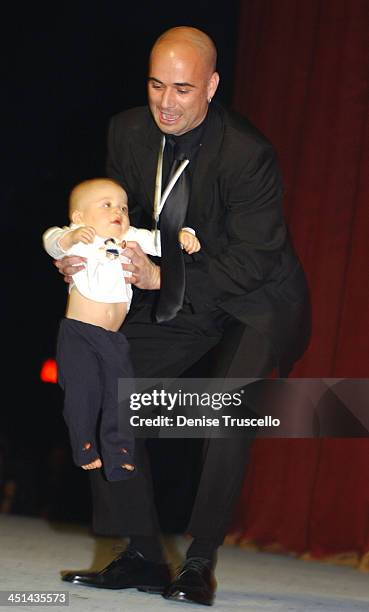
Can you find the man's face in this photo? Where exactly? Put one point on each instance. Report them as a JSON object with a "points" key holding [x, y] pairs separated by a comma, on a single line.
{"points": [[179, 86], [104, 207]]}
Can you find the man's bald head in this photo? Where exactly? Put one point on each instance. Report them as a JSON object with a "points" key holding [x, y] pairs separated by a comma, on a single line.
{"points": [[184, 35]]}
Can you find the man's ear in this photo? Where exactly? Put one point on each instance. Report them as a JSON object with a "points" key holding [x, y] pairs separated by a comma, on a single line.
{"points": [[213, 85], [77, 217]]}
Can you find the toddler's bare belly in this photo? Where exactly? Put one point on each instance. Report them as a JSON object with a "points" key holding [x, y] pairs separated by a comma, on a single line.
{"points": [[108, 316]]}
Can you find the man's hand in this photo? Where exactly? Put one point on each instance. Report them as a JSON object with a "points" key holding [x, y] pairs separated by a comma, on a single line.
{"points": [[145, 274], [69, 265]]}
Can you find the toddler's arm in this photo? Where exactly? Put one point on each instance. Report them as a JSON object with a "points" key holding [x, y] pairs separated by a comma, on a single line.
{"points": [[149, 241], [57, 240]]}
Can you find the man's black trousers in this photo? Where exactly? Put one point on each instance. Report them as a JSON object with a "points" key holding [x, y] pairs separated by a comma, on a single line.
{"points": [[167, 350]]}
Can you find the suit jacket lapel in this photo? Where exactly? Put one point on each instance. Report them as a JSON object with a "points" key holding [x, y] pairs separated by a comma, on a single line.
{"points": [[207, 160], [145, 155]]}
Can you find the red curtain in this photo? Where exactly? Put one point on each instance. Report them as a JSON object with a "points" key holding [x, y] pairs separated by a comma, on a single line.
{"points": [[302, 77]]}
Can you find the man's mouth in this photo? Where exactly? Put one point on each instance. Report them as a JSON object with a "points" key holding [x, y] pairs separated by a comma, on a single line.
{"points": [[168, 117]]}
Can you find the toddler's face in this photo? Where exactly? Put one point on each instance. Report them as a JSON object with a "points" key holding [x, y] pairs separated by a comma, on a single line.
{"points": [[105, 207]]}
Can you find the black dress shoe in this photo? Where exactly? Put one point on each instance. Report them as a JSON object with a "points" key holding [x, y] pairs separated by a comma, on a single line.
{"points": [[129, 570], [194, 583]]}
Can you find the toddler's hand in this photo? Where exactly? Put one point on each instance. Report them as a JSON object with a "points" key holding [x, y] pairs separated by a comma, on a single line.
{"points": [[85, 234], [190, 243]]}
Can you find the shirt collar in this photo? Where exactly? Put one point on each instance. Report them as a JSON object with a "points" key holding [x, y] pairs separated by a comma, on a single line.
{"points": [[186, 145]]}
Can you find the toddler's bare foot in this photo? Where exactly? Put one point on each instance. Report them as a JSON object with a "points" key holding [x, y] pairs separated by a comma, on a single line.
{"points": [[93, 465], [127, 466]]}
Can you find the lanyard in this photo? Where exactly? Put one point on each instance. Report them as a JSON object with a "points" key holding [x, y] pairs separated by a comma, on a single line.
{"points": [[160, 199]]}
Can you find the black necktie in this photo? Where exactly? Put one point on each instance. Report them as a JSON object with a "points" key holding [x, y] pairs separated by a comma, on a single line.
{"points": [[172, 287]]}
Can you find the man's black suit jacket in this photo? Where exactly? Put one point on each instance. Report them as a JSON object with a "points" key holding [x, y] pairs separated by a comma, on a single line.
{"points": [[246, 265]]}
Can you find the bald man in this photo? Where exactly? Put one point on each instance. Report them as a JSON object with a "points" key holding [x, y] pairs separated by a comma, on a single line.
{"points": [[245, 294]]}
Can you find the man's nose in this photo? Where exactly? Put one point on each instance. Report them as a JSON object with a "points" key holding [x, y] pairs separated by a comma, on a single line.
{"points": [[168, 99]]}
